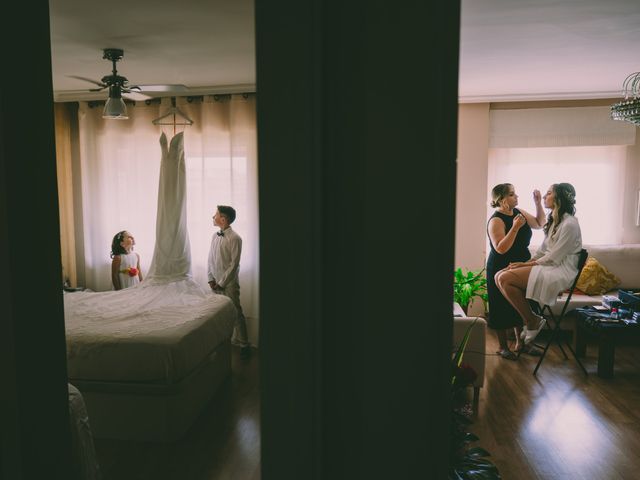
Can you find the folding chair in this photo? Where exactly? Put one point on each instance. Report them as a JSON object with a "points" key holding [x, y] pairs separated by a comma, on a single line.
{"points": [[556, 332]]}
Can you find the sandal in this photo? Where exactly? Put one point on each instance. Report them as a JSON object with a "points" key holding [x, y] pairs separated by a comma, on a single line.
{"points": [[508, 355]]}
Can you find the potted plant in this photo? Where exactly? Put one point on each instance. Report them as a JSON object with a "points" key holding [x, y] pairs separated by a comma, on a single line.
{"points": [[467, 286]]}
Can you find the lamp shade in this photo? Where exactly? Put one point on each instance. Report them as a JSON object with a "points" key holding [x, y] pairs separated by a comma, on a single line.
{"points": [[115, 109]]}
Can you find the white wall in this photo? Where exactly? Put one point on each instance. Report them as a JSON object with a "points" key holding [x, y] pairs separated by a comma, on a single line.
{"points": [[471, 197]]}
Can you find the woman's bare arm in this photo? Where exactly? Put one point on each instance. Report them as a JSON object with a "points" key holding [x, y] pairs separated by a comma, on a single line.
{"points": [[502, 241]]}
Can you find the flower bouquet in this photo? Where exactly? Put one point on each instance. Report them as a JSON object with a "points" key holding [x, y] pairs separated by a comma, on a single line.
{"points": [[131, 271]]}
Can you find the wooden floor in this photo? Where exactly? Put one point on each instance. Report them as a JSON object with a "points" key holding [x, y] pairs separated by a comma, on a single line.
{"points": [[560, 424], [223, 444]]}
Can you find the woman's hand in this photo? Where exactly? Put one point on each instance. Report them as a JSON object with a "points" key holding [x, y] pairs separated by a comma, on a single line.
{"points": [[537, 197], [514, 265], [519, 221]]}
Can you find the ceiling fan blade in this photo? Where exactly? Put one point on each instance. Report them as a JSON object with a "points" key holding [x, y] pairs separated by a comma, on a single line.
{"points": [[95, 82], [138, 97], [160, 88]]}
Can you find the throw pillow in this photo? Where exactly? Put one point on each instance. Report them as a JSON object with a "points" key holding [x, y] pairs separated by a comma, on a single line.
{"points": [[595, 279]]}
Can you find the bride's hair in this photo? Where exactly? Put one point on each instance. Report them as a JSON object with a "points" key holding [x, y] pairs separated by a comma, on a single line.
{"points": [[564, 201]]}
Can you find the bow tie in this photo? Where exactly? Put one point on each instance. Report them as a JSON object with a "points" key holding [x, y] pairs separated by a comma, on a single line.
{"points": [[220, 233]]}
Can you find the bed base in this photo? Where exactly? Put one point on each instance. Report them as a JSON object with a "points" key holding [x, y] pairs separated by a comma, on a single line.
{"points": [[154, 412]]}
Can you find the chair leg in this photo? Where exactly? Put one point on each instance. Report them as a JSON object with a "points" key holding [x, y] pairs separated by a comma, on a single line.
{"points": [[556, 325], [555, 336], [544, 352], [576, 357], [566, 357]]}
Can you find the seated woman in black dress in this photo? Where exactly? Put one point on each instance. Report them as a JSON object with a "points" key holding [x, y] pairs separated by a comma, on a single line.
{"points": [[509, 230]]}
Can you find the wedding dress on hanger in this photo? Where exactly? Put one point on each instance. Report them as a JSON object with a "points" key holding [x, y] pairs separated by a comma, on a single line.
{"points": [[172, 253]]}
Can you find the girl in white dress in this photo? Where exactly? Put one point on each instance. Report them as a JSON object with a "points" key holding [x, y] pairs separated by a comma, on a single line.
{"points": [[553, 267], [125, 266]]}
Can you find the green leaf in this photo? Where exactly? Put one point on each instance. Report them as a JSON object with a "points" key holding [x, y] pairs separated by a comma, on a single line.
{"points": [[479, 463], [454, 475], [457, 358], [468, 285], [478, 452], [470, 437], [481, 475]]}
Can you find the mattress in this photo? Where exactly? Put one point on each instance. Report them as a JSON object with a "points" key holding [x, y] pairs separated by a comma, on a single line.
{"points": [[152, 334]]}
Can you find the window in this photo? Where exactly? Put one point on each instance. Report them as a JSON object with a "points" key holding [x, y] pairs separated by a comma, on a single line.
{"points": [[597, 173]]}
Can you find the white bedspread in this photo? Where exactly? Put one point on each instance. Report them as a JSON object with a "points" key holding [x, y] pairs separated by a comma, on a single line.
{"points": [[150, 333]]}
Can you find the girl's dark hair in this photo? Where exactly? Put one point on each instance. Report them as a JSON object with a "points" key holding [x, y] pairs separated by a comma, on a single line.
{"points": [[564, 202], [499, 193], [116, 248]]}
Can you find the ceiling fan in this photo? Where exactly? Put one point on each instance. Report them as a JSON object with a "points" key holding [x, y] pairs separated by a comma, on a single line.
{"points": [[119, 87]]}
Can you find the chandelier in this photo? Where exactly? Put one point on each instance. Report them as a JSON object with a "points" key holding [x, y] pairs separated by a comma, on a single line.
{"points": [[628, 110]]}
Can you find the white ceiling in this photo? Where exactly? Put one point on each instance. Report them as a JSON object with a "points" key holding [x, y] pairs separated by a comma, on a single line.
{"points": [[207, 45], [509, 50], [547, 49]]}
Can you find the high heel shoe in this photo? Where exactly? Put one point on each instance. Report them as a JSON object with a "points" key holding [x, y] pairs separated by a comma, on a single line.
{"points": [[532, 334]]}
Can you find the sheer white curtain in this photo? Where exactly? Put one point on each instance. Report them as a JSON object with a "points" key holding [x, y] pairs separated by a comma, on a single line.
{"points": [[534, 148], [120, 163], [597, 173]]}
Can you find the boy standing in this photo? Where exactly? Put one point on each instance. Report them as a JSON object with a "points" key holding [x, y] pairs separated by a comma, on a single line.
{"points": [[223, 268]]}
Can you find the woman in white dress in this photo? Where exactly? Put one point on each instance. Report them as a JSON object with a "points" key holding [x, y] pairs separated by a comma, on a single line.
{"points": [[125, 264], [553, 267]]}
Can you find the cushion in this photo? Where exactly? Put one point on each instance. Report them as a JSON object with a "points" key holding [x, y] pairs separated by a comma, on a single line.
{"points": [[595, 279]]}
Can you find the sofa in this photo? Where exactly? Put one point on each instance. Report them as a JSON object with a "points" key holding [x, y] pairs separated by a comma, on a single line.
{"points": [[621, 260], [475, 352]]}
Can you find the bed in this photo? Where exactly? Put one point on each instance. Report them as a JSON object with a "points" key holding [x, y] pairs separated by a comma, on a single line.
{"points": [[147, 359]]}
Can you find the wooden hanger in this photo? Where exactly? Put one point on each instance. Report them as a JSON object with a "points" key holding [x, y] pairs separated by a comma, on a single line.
{"points": [[174, 117]]}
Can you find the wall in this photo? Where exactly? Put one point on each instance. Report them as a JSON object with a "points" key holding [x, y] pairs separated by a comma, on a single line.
{"points": [[34, 407], [471, 206], [354, 373]]}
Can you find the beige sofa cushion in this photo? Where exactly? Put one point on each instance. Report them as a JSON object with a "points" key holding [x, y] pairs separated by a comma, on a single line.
{"points": [[621, 260], [578, 300]]}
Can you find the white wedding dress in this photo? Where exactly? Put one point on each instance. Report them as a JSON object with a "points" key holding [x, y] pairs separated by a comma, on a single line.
{"points": [[172, 253]]}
